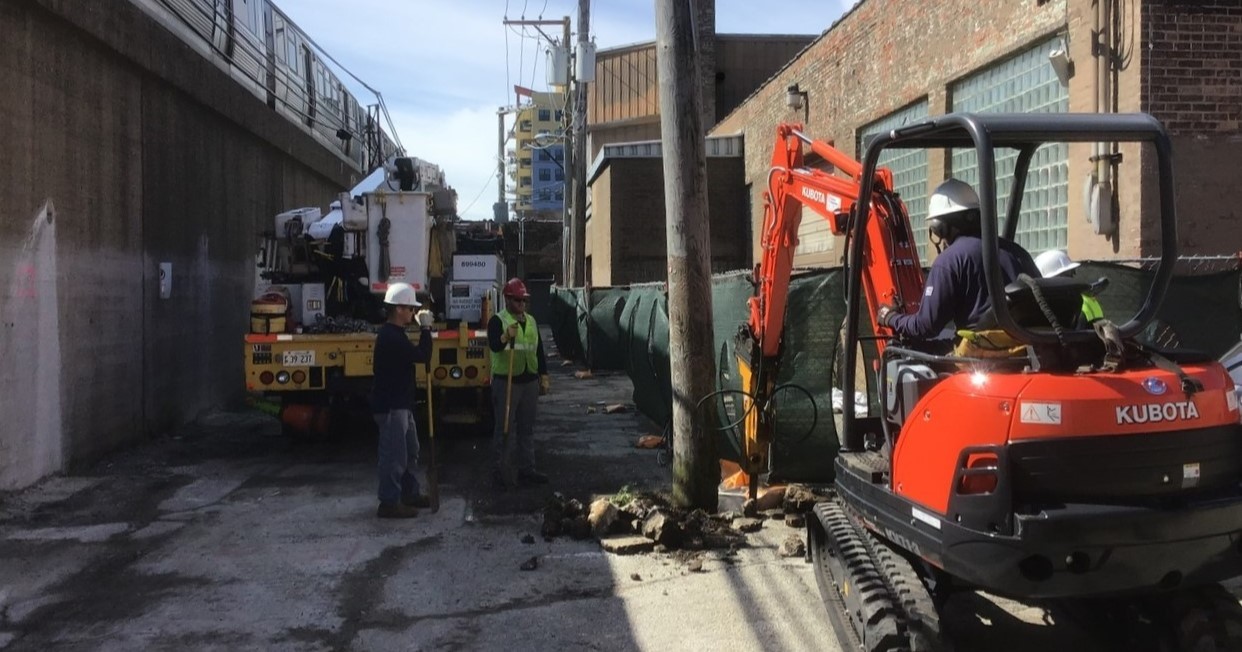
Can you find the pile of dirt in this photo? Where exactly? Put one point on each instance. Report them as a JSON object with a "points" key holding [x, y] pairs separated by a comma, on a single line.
{"points": [[638, 522]]}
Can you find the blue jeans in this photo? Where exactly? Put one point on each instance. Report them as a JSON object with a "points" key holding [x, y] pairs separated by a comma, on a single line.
{"points": [[398, 455]]}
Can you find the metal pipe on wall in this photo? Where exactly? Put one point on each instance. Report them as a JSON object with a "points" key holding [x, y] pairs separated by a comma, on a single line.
{"points": [[1098, 185]]}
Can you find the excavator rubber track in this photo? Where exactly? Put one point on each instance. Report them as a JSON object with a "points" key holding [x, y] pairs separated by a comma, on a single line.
{"points": [[876, 600]]}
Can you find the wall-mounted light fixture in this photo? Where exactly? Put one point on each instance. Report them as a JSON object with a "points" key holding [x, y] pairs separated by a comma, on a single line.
{"points": [[796, 98], [1061, 63]]}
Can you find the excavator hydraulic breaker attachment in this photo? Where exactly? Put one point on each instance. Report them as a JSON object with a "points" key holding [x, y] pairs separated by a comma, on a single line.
{"points": [[755, 428]]}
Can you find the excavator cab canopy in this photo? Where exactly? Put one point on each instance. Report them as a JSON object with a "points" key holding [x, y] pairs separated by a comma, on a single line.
{"points": [[1025, 133]]}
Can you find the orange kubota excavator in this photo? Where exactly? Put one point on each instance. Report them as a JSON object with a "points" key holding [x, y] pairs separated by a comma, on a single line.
{"points": [[1081, 465]]}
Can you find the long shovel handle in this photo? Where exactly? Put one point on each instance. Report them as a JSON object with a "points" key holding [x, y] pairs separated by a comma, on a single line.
{"points": [[433, 472], [509, 390], [506, 466]]}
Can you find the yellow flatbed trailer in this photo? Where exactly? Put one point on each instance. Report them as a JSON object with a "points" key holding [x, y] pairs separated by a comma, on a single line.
{"points": [[314, 369]]}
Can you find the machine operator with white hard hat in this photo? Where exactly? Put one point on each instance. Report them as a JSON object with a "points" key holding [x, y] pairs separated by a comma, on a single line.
{"points": [[956, 290]]}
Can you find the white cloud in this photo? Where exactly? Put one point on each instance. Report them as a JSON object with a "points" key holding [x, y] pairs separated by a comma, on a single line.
{"points": [[445, 66]]}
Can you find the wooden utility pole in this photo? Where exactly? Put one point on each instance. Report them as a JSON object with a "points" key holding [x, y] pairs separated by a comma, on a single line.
{"points": [[501, 204], [580, 157], [696, 471]]}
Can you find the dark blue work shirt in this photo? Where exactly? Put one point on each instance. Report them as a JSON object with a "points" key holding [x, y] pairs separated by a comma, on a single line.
{"points": [[956, 290], [393, 367]]}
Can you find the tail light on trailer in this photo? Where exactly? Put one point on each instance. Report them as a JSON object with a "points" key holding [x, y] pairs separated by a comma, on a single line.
{"points": [[267, 378], [472, 372]]}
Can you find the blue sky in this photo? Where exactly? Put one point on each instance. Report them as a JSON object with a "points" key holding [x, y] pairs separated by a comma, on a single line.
{"points": [[445, 66]]}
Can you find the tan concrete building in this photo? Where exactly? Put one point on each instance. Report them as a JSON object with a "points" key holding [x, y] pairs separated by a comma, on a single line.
{"points": [[625, 215], [625, 235], [624, 102], [888, 62]]}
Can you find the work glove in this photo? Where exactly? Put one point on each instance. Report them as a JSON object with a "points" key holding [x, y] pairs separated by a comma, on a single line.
{"points": [[545, 385], [425, 318], [886, 315], [510, 334]]}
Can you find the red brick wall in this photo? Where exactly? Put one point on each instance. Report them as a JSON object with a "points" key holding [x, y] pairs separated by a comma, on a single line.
{"points": [[880, 57], [1192, 57], [1178, 59]]}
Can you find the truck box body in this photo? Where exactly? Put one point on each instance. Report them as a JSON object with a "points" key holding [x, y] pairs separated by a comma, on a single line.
{"points": [[404, 222]]}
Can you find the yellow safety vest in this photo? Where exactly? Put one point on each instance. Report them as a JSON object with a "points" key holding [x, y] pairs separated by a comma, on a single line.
{"points": [[525, 347], [1091, 308]]}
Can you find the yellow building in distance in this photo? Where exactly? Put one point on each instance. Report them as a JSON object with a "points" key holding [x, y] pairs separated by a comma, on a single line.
{"points": [[536, 163]]}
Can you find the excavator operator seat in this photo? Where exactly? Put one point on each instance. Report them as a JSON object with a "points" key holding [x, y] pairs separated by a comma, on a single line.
{"points": [[1063, 297]]}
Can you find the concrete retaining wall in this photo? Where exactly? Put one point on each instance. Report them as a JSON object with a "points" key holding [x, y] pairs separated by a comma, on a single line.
{"points": [[125, 150]]}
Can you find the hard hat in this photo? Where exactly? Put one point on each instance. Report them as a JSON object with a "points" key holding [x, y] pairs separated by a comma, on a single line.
{"points": [[516, 288], [401, 294], [953, 204], [1054, 262]]}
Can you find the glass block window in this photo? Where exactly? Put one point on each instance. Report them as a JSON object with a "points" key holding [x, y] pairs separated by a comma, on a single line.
{"points": [[1024, 83], [909, 168]]}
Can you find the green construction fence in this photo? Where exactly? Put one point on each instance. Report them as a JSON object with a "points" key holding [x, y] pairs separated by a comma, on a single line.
{"points": [[626, 329]]}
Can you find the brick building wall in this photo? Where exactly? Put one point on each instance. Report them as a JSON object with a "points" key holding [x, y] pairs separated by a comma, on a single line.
{"points": [[884, 55], [876, 59], [1192, 54]]}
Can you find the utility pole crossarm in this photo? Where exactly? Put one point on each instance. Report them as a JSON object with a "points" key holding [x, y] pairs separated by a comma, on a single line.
{"points": [[534, 23]]}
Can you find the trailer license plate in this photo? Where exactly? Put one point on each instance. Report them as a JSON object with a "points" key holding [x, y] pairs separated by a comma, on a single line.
{"points": [[298, 358]]}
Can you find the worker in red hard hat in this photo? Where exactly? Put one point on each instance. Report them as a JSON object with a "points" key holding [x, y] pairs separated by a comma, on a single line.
{"points": [[519, 377]]}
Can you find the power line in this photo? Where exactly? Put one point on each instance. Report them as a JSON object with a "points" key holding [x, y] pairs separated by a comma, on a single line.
{"points": [[486, 185]]}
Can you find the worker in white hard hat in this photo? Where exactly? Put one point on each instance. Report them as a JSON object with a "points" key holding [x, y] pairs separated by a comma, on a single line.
{"points": [[1055, 262], [956, 290], [392, 402]]}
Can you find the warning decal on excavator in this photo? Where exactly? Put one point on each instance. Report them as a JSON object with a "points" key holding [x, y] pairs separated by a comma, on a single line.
{"points": [[1048, 414], [1190, 475]]}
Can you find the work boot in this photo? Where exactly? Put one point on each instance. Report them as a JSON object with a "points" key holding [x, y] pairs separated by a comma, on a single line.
{"points": [[532, 477], [396, 510], [418, 500]]}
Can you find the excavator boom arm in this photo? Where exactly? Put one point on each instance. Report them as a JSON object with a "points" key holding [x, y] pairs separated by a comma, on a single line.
{"points": [[891, 270]]}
